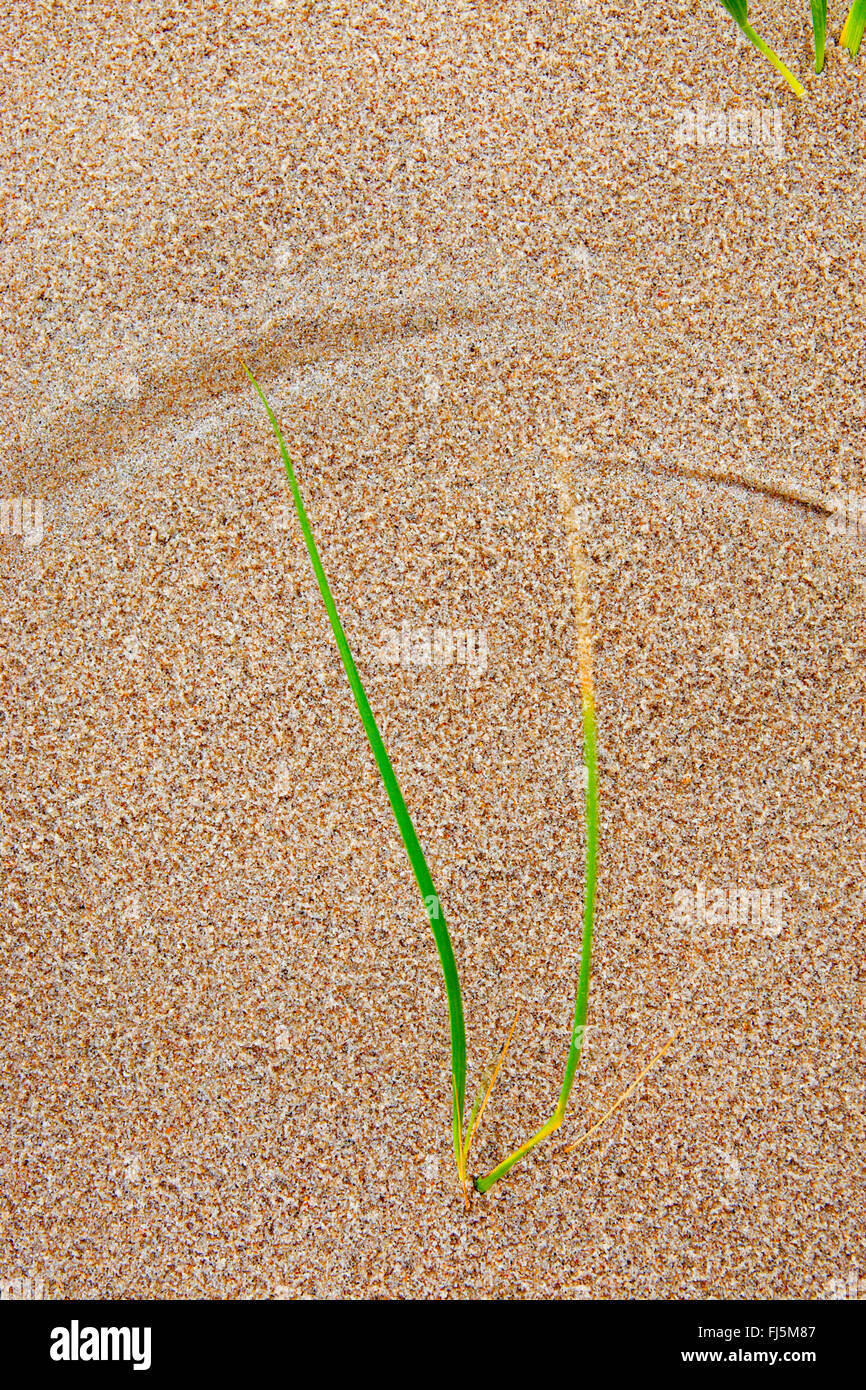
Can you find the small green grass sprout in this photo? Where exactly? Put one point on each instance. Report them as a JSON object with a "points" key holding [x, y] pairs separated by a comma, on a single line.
{"points": [[422, 873]]}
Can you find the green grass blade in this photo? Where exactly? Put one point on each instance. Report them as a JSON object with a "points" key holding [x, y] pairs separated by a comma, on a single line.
{"points": [[582, 1002], [590, 753], [819, 29], [738, 10], [854, 26], [398, 805]]}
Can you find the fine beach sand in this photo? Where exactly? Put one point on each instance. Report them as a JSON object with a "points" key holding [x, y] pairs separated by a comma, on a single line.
{"points": [[467, 261]]}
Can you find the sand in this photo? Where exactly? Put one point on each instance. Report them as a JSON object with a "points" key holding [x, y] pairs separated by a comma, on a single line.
{"points": [[469, 263]]}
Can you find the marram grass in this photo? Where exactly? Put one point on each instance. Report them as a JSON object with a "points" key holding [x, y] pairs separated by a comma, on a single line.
{"points": [[422, 873], [850, 37]]}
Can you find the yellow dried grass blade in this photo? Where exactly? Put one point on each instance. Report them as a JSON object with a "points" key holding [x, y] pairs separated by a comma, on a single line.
{"points": [[491, 1071], [461, 1152], [625, 1095]]}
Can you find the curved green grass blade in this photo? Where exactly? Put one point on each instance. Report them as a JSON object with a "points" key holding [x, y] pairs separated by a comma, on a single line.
{"points": [[852, 33], [398, 805], [739, 12], [819, 29]]}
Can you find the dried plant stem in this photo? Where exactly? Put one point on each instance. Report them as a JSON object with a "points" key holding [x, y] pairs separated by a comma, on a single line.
{"points": [[494, 1070], [625, 1095]]}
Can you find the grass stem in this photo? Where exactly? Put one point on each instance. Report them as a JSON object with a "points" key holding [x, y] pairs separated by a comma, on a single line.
{"points": [[481, 1104], [625, 1095]]}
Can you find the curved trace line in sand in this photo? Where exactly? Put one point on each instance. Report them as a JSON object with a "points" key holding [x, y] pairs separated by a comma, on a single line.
{"points": [[111, 433], [94, 432], [783, 492]]}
